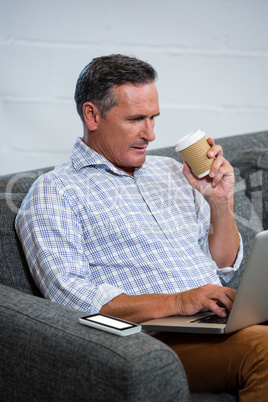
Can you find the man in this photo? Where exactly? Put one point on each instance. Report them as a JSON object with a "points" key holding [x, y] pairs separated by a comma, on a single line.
{"points": [[133, 237]]}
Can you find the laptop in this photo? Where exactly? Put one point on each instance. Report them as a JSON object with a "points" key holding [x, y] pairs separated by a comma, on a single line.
{"points": [[250, 306]]}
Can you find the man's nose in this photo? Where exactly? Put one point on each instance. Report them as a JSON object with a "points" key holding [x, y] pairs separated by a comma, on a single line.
{"points": [[148, 130]]}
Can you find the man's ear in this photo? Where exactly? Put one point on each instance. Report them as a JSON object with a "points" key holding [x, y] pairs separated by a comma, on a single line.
{"points": [[91, 116]]}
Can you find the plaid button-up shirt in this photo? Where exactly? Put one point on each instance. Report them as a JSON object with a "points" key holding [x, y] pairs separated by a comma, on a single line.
{"points": [[91, 232]]}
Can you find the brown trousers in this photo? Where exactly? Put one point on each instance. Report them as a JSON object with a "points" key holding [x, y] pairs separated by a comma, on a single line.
{"points": [[235, 363]]}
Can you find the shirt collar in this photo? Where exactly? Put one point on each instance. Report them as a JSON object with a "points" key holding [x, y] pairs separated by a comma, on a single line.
{"points": [[84, 156]]}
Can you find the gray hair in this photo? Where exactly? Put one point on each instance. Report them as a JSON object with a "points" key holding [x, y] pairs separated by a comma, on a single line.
{"points": [[96, 81]]}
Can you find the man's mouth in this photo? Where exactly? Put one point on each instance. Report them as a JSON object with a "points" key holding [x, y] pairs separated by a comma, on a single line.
{"points": [[141, 148]]}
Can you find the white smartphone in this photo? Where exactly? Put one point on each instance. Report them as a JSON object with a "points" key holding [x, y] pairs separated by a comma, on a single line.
{"points": [[110, 324]]}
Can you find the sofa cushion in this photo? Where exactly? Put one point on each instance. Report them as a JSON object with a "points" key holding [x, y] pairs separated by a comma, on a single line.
{"points": [[252, 159], [14, 269], [251, 168], [20, 182]]}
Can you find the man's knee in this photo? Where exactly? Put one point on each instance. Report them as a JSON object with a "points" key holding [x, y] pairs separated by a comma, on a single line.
{"points": [[255, 336]]}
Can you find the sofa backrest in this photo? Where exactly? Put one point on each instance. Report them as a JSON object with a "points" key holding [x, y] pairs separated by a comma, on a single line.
{"points": [[14, 269]]}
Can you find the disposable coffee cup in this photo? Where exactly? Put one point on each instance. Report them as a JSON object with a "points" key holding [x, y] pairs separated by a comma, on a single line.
{"points": [[194, 148]]}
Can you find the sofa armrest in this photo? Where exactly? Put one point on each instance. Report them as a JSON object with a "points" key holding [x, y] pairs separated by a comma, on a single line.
{"points": [[47, 355]]}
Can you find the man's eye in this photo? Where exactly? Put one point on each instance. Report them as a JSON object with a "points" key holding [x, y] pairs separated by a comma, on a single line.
{"points": [[136, 119], [141, 118]]}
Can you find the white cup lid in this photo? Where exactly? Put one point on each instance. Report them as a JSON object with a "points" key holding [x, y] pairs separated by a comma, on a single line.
{"points": [[189, 140]]}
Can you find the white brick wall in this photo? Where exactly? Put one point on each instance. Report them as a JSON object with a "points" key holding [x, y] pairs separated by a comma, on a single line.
{"points": [[211, 56]]}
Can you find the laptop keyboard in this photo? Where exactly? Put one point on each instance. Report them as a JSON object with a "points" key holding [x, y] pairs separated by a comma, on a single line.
{"points": [[211, 319]]}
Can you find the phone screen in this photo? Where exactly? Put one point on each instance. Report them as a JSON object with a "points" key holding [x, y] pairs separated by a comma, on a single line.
{"points": [[110, 322]]}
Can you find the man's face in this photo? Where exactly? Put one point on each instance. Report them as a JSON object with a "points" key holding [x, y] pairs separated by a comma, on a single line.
{"points": [[123, 136]]}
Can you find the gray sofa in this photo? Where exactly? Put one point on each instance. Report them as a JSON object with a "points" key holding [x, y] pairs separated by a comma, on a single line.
{"points": [[46, 355]]}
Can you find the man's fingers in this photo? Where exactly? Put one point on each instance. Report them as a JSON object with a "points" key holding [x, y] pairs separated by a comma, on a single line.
{"points": [[207, 297], [215, 150], [225, 298], [215, 308]]}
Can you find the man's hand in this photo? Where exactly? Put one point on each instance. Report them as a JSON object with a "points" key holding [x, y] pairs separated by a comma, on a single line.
{"points": [[219, 184], [206, 298], [141, 308]]}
